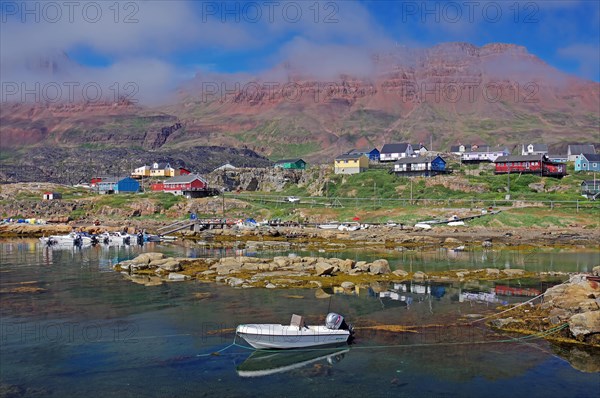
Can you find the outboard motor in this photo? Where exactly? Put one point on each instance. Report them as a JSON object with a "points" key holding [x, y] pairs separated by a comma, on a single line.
{"points": [[336, 321]]}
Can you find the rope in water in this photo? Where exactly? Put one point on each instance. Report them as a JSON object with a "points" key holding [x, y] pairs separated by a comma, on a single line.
{"points": [[514, 307], [510, 340]]}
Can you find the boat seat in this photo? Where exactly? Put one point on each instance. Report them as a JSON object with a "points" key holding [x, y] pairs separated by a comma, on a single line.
{"points": [[297, 320]]}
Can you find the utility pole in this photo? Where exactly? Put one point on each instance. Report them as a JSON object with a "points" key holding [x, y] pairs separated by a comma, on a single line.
{"points": [[508, 184]]}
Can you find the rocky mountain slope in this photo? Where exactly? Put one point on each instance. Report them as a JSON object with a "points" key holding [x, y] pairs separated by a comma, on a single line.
{"points": [[453, 92]]}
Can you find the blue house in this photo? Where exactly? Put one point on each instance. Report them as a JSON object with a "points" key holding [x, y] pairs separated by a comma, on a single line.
{"points": [[372, 154], [587, 162], [420, 166], [112, 185]]}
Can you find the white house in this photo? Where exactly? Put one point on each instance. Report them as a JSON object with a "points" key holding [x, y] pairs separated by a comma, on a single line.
{"points": [[419, 150], [486, 154], [575, 150], [534, 149], [393, 152]]}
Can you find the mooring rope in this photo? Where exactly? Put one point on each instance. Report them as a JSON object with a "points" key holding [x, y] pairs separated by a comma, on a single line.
{"points": [[512, 308], [539, 335]]}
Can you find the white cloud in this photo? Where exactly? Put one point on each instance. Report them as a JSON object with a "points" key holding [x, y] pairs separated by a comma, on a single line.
{"points": [[587, 56]]}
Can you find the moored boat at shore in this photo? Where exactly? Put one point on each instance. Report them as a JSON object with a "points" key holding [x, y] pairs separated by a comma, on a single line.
{"points": [[329, 225], [297, 334], [349, 226]]}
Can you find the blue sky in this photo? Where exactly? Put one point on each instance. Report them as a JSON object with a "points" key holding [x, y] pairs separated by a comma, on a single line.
{"points": [[169, 42]]}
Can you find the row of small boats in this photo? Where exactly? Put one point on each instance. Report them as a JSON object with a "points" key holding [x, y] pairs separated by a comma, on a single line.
{"points": [[343, 226], [108, 238]]}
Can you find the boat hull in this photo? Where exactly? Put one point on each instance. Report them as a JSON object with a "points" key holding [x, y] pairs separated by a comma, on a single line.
{"points": [[328, 226], [273, 336]]}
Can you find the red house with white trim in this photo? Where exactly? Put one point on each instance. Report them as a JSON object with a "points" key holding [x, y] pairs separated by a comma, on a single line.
{"points": [[530, 164], [179, 184]]}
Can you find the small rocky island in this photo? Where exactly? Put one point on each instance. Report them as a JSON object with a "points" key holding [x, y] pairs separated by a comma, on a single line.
{"points": [[575, 303]]}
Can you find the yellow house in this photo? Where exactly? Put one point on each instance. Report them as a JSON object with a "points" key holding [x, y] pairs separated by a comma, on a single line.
{"points": [[140, 172], [351, 164], [162, 170]]}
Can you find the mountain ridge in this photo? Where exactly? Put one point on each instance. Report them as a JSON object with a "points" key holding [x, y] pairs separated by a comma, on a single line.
{"points": [[498, 93]]}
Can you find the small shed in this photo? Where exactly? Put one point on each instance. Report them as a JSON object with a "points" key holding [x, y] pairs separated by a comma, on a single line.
{"points": [[590, 188], [296, 164], [51, 196]]}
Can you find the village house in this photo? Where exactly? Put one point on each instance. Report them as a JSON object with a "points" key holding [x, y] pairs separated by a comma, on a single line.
{"points": [[558, 158], [181, 185], [110, 185], [393, 152], [590, 188], [140, 172], [51, 196], [530, 164], [574, 150], [587, 162], [295, 164], [419, 150], [351, 163], [162, 170], [534, 149], [371, 153], [95, 180], [420, 166], [158, 170], [484, 154], [462, 148]]}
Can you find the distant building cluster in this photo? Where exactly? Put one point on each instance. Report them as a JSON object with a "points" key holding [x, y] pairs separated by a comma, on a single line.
{"points": [[416, 160], [403, 159]]}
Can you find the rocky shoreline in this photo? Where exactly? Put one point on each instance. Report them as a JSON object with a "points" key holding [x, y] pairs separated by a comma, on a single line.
{"points": [[575, 303], [376, 236]]}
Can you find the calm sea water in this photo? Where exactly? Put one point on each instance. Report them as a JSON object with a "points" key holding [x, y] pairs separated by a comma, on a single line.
{"points": [[88, 331]]}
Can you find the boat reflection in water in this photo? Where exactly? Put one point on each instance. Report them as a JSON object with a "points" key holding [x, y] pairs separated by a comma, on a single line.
{"points": [[265, 363]]}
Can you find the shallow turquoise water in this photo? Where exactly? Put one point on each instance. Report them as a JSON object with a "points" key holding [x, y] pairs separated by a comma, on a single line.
{"points": [[91, 332]]}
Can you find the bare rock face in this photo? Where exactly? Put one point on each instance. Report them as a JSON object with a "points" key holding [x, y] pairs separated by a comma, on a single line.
{"points": [[576, 302], [147, 258], [171, 266], [380, 267], [584, 324], [323, 268]]}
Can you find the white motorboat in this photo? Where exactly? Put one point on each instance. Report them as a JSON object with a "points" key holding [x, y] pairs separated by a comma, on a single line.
{"points": [[48, 240], [423, 225], [266, 363], [115, 238], [349, 226], [329, 225], [297, 334], [72, 238]]}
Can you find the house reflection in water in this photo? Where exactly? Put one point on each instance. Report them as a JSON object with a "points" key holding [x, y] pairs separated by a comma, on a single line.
{"points": [[407, 293]]}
